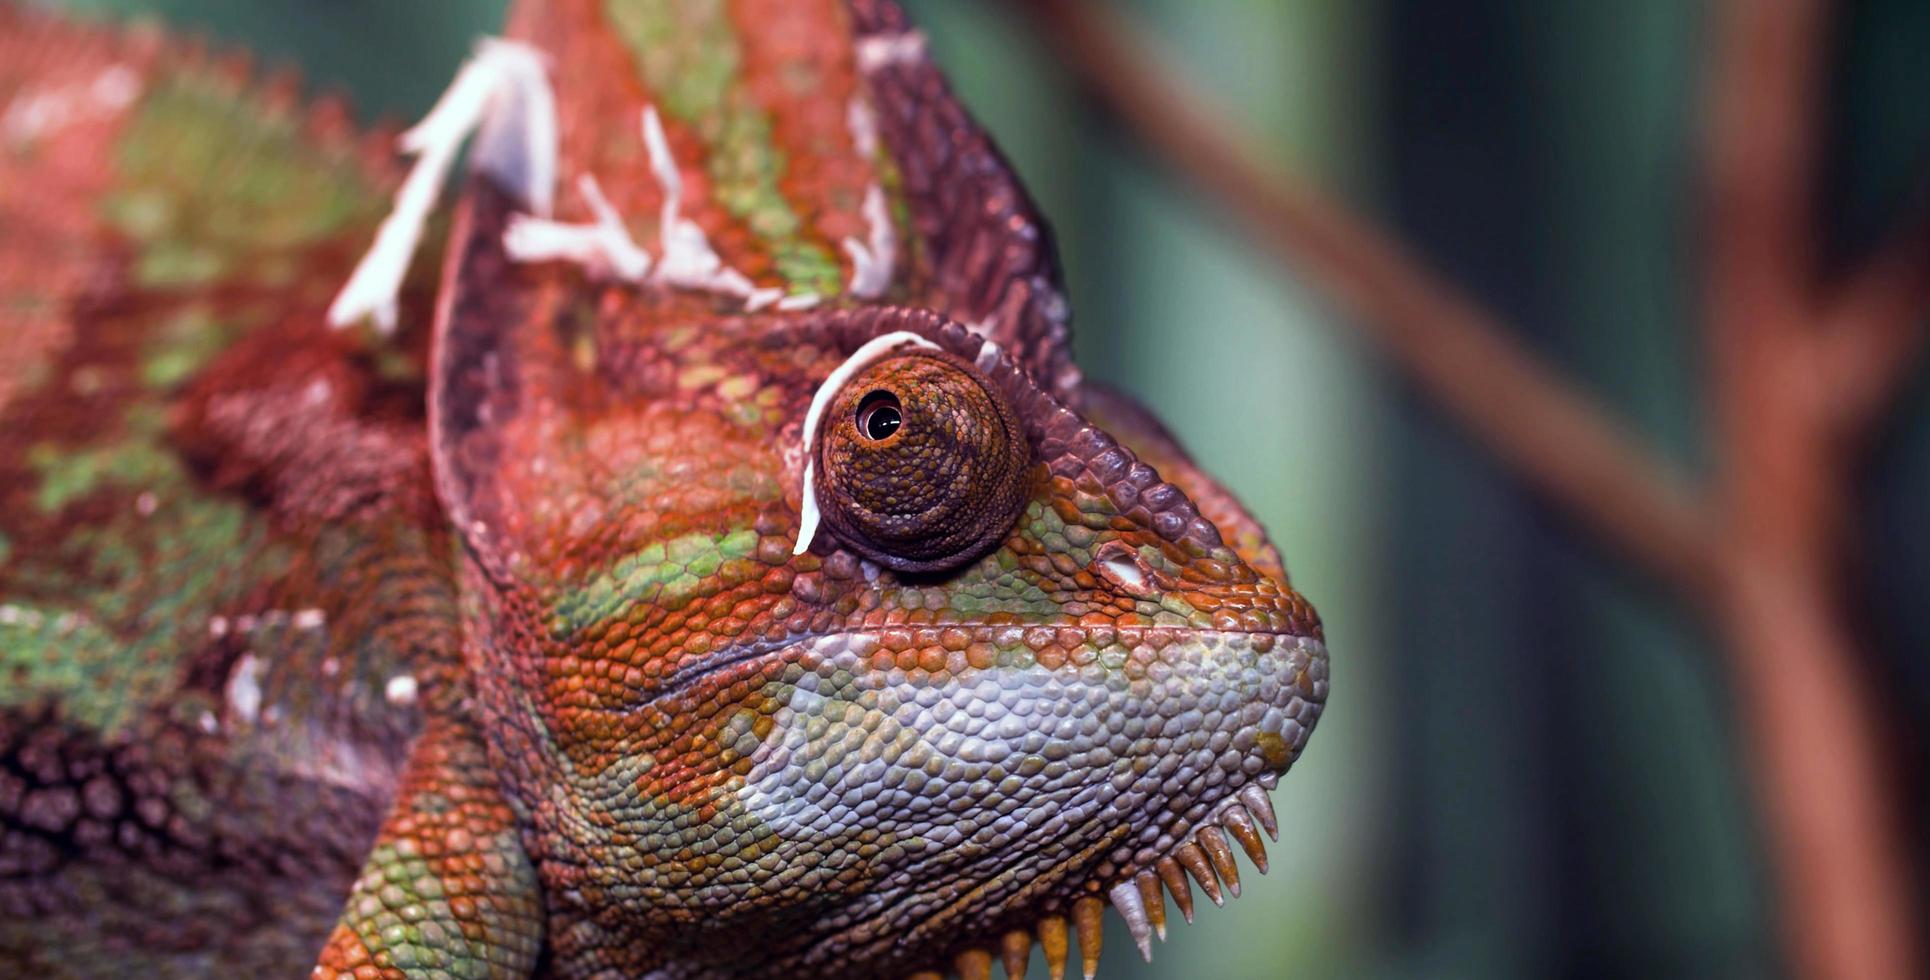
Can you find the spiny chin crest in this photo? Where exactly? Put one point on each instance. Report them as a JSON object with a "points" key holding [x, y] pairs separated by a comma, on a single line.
{"points": [[1205, 856], [1197, 850]]}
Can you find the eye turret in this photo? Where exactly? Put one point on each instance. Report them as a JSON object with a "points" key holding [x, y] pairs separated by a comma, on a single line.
{"points": [[921, 463]]}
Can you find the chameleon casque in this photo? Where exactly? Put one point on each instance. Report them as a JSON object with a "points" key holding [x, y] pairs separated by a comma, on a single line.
{"points": [[719, 569]]}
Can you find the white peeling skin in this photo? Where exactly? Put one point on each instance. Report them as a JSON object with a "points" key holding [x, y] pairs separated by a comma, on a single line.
{"points": [[688, 260], [872, 261], [517, 143], [244, 688], [1127, 570], [864, 126], [988, 355], [870, 351], [604, 246], [400, 690], [501, 88], [669, 179], [808, 516], [883, 50]]}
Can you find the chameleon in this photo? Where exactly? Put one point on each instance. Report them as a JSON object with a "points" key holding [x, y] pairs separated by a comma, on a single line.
{"points": [[676, 543]]}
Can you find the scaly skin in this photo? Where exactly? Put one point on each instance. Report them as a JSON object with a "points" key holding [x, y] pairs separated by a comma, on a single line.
{"points": [[528, 587]]}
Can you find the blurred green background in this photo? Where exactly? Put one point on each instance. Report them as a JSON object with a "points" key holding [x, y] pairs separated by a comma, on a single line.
{"points": [[1529, 765]]}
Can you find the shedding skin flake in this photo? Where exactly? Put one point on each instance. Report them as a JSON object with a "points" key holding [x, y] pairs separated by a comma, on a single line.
{"points": [[883, 50], [605, 247], [501, 90], [871, 261]]}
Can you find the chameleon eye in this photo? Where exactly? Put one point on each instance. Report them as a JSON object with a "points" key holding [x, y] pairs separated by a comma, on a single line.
{"points": [[879, 416], [925, 466]]}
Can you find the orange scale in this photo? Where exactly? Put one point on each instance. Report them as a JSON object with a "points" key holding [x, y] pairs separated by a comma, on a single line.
{"points": [[981, 656], [1067, 509], [1103, 635], [1204, 601], [1303, 681]]}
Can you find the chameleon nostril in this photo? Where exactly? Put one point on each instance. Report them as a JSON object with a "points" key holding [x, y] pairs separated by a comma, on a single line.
{"points": [[1124, 569]]}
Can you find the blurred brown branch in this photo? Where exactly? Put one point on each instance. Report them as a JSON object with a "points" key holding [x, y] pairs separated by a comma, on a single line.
{"points": [[1875, 326], [1801, 371], [1447, 343], [1798, 382]]}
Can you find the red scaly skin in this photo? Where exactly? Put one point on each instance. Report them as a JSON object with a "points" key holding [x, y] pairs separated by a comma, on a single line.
{"points": [[536, 594]]}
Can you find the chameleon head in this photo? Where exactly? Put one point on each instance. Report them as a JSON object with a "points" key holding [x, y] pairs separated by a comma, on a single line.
{"points": [[840, 631], [1063, 684]]}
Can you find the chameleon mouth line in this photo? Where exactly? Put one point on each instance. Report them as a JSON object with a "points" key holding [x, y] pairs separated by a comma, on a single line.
{"points": [[1204, 858], [689, 675]]}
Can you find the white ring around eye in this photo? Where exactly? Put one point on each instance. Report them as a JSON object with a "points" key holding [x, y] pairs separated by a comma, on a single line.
{"points": [[870, 350]]}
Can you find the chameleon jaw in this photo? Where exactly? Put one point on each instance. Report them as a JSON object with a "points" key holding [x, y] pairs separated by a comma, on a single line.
{"points": [[1205, 856], [1196, 852], [1128, 849]]}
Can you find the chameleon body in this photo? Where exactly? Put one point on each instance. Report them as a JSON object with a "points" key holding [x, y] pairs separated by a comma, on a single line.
{"points": [[733, 552]]}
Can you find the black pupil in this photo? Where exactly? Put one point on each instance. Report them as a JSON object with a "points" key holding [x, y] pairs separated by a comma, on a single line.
{"points": [[878, 415]]}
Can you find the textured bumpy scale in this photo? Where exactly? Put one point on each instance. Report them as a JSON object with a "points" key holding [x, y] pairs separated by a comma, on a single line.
{"points": [[599, 621]]}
